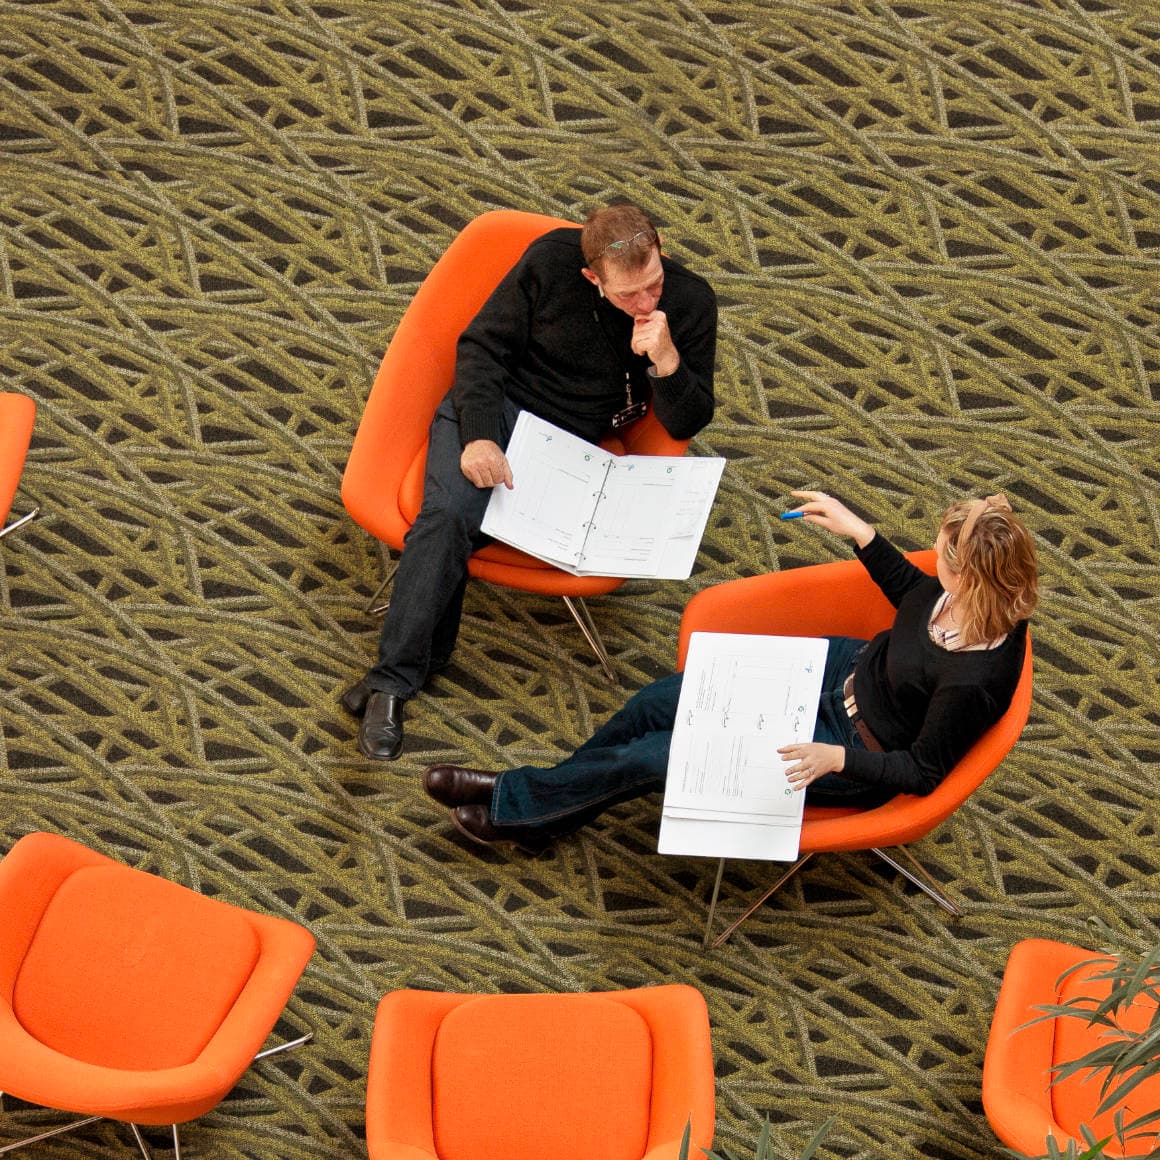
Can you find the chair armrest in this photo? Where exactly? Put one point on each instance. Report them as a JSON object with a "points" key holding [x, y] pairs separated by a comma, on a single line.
{"points": [[648, 436]]}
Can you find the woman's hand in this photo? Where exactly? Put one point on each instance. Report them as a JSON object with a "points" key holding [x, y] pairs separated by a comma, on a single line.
{"points": [[812, 759], [834, 516]]}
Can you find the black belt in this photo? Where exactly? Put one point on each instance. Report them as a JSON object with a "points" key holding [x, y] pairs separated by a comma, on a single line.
{"points": [[861, 728]]}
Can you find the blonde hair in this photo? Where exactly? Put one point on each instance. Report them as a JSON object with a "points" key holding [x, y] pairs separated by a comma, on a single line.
{"points": [[995, 563]]}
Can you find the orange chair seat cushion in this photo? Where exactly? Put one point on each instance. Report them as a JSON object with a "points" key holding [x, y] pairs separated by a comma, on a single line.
{"points": [[1074, 1100], [130, 971], [582, 1069]]}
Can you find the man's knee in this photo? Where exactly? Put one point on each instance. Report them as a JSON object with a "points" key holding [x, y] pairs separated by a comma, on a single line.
{"points": [[655, 706], [450, 522]]}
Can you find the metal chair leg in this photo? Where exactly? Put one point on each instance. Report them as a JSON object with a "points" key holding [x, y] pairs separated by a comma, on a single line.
{"points": [[176, 1143], [289, 1046], [730, 929], [140, 1142], [922, 879], [583, 618], [24, 519], [373, 607], [713, 903], [51, 1132]]}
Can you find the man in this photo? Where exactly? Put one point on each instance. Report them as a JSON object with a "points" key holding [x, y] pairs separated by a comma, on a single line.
{"points": [[588, 329]]}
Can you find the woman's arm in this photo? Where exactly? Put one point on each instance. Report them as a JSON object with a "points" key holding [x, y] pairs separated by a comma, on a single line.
{"points": [[834, 516], [887, 566], [957, 717]]}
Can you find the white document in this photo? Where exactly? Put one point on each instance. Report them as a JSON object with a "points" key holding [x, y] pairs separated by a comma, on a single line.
{"points": [[593, 513], [742, 698]]}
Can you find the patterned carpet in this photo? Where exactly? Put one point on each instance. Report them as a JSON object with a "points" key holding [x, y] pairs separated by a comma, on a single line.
{"points": [[934, 228]]}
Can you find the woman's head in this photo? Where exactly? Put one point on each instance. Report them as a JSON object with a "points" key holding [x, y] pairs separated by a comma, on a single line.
{"points": [[987, 560]]}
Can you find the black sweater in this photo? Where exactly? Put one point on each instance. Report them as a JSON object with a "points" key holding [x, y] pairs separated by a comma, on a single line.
{"points": [[545, 339], [925, 705]]}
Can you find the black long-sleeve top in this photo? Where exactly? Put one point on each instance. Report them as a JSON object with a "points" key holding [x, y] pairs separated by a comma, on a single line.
{"points": [[926, 706], [548, 341]]}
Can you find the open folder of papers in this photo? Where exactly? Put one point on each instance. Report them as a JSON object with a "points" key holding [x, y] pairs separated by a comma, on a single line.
{"points": [[593, 513], [742, 698]]}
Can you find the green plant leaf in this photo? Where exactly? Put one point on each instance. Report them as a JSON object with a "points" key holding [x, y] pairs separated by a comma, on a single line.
{"points": [[763, 1140], [819, 1135]]}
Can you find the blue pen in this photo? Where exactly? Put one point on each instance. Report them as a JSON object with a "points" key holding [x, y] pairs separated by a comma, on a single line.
{"points": [[792, 515]]}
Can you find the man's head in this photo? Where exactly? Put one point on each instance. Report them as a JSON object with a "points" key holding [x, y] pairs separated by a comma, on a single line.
{"points": [[622, 251]]}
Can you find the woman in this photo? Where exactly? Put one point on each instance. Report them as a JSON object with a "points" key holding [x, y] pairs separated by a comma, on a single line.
{"points": [[896, 714]]}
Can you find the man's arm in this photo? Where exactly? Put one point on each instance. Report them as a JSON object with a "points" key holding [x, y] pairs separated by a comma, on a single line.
{"points": [[682, 346], [488, 350]]}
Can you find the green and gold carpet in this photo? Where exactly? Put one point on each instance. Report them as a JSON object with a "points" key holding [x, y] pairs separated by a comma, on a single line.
{"points": [[934, 226]]}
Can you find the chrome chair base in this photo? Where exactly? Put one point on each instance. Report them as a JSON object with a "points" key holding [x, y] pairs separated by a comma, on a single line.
{"points": [[27, 518], [375, 606], [587, 625], [918, 876], [138, 1138]]}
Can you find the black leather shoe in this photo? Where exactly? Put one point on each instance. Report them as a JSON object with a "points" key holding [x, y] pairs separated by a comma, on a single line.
{"points": [[354, 700], [474, 822], [455, 785], [380, 736]]}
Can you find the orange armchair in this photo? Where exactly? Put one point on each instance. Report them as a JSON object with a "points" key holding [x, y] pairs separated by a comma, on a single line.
{"points": [[616, 1074], [1023, 1107], [128, 997], [841, 600], [17, 414], [382, 487]]}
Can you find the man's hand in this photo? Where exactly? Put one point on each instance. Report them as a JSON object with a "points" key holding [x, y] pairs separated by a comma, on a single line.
{"points": [[485, 464], [650, 336]]}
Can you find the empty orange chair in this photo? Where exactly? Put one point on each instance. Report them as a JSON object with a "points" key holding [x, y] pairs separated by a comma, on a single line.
{"points": [[127, 997], [17, 414], [1023, 1106], [382, 487], [841, 600], [615, 1075]]}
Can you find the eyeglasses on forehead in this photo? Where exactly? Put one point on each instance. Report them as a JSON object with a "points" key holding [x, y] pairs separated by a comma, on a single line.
{"points": [[623, 245]]}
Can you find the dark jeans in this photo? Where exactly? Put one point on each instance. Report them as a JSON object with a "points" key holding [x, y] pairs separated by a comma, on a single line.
{"points": [[628, 757], [422, 622]]}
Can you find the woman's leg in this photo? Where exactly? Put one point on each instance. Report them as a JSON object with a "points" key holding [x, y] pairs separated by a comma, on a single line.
{"points": [[833, 725], [627, 757]]}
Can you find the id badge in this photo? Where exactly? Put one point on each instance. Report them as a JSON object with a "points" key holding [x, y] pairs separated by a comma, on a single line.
{"points": [[630, 414]]}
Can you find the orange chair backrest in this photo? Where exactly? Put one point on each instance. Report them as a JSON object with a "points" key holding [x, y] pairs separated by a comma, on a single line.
{"points": [[841, 600], [419, 365], [1022, 1105], [616, 1075], [17, 414], [123, 994]]}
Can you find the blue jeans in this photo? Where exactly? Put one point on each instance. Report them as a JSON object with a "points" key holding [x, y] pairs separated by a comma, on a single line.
{"points": [[422, 622], [628, 757]]}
